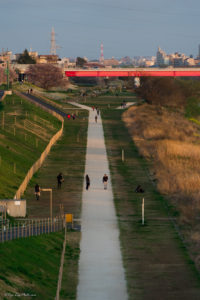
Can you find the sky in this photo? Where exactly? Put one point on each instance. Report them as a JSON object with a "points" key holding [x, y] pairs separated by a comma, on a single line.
{"points": [[125, 27]]}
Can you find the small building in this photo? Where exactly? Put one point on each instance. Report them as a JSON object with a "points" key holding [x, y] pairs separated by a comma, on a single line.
{"points": [[15, 208], [47, 59]]}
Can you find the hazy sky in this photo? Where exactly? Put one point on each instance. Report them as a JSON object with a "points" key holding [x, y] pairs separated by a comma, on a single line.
{"points": [[126, 27]]}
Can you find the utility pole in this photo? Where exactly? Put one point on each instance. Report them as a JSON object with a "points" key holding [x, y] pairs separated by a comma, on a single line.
{"points": [[7, 73]]}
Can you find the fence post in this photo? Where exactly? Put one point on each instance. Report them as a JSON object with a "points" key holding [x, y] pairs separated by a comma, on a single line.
{"points": [[3, 120], [26, 229], [18, 230], [143, 211], [22, 230], [10, 231], [6, 232], [123, 155], [2, 231]]}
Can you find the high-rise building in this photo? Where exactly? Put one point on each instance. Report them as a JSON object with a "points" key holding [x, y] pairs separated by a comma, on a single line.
{"points": [[161, 58]]}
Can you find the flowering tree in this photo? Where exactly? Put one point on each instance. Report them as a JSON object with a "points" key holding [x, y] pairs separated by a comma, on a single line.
{"points": [[45, 75]]}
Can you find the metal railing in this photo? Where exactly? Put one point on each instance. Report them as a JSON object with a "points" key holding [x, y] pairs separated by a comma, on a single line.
{"points": [[26, 228]]}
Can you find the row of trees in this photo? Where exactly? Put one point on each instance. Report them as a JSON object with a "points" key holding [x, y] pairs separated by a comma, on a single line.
{"points": [[166, 91]]}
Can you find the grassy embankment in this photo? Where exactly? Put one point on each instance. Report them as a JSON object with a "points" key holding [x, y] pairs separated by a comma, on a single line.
{"points": [[29, 267], [67, 156], [155, 259], [25, 130]]}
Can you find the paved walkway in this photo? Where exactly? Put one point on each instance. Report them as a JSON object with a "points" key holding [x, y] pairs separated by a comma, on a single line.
{"points": [[101, 273]]}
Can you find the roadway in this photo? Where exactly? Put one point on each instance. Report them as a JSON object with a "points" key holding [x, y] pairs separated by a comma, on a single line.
{"points": [[45, 104]]}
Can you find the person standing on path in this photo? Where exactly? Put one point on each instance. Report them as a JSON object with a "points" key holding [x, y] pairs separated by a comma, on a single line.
{"points": [[60, 179], [87, 178], [37, 191], [105, 181], [96, 118]]}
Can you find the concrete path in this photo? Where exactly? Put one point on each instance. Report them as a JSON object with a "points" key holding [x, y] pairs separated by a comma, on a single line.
{"points": [[101, 273], [128, 104]]}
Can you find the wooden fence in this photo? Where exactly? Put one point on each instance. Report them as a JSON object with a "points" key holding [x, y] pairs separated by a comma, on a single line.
{"points": [[40, 161]]}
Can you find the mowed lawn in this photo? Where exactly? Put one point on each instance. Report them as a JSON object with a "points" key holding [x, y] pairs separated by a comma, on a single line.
{"points": [[156, 262], [67, 157]]}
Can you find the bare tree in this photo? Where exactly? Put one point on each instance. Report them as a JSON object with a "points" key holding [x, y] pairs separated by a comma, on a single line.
{"points": [[45, 75]]}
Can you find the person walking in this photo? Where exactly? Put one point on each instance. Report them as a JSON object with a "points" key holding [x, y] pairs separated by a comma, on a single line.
{"points": [[60, 179], [87, 178], [105, 181], [96, 118], [37, 191]]}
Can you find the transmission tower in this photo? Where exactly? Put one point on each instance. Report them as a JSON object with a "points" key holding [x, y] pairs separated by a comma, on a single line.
{"points": [[102, 56], [53, 43]]}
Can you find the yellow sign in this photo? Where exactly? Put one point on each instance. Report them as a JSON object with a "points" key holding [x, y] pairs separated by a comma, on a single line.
{"points": [[69, 218]]}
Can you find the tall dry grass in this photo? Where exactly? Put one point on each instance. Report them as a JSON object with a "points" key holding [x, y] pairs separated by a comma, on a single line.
{"points": [[171, 142]]}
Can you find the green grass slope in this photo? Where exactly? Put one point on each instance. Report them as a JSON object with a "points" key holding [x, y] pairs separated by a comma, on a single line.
{"points": [[25, 131]]}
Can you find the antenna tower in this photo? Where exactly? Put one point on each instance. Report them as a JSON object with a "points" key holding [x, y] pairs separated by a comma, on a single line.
{"points": [[102, 56], [53, 43]]}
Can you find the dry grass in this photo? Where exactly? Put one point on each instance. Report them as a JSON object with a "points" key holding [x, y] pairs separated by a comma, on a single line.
{"points": [[171, 143]]}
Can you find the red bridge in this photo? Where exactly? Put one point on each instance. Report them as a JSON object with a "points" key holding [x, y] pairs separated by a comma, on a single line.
{"points": [[134, 72]]}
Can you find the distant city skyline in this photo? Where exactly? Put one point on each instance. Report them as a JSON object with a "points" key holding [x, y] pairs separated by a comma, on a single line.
{"points": [[126, 28]]}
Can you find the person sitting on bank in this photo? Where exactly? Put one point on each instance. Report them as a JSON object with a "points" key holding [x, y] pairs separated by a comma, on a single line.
{"points": [[139, 189]]}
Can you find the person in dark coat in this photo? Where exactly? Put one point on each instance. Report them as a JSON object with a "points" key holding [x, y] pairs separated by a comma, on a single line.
{"points": [[105, 181], [37, 191], [87, 179], [60, 179], [139, 189]]}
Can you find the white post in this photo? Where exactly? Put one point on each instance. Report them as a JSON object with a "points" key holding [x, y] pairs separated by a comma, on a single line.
{"points": [[143, 211], [123, 155]]}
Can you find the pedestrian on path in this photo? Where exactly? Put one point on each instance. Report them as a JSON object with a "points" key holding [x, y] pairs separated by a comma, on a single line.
{"points": [[96, 118], [37, 191], [105, 181], [60, 179], [87, 178]]}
